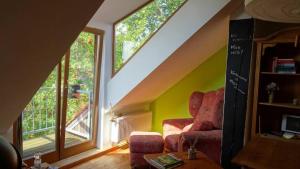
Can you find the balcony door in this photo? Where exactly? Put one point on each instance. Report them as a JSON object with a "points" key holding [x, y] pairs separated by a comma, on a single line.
{"points": [[61, 118], [79, 96]]}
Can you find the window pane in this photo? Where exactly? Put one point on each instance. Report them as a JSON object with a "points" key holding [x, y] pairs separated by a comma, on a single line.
{"points": [[39, 119], [81, 90], [132, 32]]}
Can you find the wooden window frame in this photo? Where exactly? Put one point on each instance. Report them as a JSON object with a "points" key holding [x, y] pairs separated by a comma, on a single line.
{"points": [[150, 37], [61, 152]]}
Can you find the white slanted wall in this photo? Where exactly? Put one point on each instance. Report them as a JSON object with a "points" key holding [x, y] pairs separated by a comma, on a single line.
{"points": [[188, 20]]}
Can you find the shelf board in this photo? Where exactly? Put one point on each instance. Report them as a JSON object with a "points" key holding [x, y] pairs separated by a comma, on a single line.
{"points": [[282, 105], [280, 74], [271, 136]]}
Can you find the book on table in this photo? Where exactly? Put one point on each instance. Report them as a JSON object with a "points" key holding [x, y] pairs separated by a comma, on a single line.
{"points": [[166, 161]]}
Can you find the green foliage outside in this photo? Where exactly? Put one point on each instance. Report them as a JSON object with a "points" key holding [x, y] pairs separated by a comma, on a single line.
{"points": [[138, 27], [42, 106], [40, 113], [81, 72]]}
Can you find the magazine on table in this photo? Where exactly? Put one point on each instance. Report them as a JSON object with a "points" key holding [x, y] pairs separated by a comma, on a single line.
{"points": [[166, 161]]}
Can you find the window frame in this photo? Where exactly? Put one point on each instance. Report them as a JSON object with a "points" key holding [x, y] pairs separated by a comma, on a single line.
{"points": [[150, 37]]}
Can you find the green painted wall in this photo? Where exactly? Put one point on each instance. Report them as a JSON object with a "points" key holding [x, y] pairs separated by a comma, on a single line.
{"points": [[173, 103]]}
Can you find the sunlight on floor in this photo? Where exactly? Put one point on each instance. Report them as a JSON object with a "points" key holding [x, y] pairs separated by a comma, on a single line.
{"points": [[121, 151], [115, 160]]}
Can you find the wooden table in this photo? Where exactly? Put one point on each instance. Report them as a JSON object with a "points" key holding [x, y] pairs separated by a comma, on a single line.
{"points": [[269, 153], [202, 162]]}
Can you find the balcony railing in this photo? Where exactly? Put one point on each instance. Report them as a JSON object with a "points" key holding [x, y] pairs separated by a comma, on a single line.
{"points": [[80, 124], [39, 117]]}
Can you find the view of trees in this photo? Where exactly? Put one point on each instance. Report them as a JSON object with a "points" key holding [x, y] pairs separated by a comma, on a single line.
{"points": [[40, 113], [81, 72], [132, 32]]}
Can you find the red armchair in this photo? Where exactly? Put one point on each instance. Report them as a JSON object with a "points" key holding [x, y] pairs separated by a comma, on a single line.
{"points": [[205, 126]]}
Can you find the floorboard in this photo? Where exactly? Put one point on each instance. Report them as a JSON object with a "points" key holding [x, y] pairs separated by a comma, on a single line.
{"points": [[115, 160]]}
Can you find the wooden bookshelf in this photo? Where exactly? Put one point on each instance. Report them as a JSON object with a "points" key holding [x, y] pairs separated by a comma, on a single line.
{"points": [[282, 46], [267, 147]]}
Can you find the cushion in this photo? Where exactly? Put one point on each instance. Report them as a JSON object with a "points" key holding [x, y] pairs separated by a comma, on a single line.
{"points": [[210, 112], [195, 103]]}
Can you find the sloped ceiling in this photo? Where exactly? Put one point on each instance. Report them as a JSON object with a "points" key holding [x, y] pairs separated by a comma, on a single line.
{"points": [[34, 35]]}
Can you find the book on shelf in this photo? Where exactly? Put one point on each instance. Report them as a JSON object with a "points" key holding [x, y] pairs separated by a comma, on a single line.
{"points": [[274, 64], [166, 161], [283, 66]]}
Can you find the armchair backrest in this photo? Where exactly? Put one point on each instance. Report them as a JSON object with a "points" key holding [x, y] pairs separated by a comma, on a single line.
{"points": [[207, 109], [195, 103], [212, 107]]}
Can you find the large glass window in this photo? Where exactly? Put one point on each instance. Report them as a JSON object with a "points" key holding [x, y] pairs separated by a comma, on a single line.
{"points": [[61, 115], [134, 30]]}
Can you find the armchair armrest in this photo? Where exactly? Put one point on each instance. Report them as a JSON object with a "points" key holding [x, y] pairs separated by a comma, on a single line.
{"points": [[208, 142], [175, 126]]}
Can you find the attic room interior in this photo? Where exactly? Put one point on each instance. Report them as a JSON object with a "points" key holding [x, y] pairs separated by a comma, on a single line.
{"points": [[137, 84]]}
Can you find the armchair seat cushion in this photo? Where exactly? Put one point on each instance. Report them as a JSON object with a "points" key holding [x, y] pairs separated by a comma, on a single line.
{"points": [[175, 126], [207, 141]]}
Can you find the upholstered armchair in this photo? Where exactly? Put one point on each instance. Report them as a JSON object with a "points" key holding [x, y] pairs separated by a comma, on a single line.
{"points": [[205, 126]]}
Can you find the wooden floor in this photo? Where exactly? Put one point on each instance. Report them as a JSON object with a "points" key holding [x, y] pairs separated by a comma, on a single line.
{"points": [[47, 143], [115, 160]]}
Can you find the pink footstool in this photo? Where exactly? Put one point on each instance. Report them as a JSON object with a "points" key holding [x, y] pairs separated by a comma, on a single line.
{"points": [[141, 143]]}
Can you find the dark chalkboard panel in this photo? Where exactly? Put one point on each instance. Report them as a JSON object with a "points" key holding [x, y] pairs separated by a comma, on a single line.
{"points": [[236, 90]]}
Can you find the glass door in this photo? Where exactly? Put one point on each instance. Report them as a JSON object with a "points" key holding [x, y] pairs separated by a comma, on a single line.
{"points": [[78, 106], [60, 119]]}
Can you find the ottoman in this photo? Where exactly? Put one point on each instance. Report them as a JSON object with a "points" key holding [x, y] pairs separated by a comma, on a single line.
{"points": [[141, 143]]}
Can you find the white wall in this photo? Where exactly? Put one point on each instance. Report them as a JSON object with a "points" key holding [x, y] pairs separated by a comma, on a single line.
{"points": [[190, 18], [103, 140]]}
